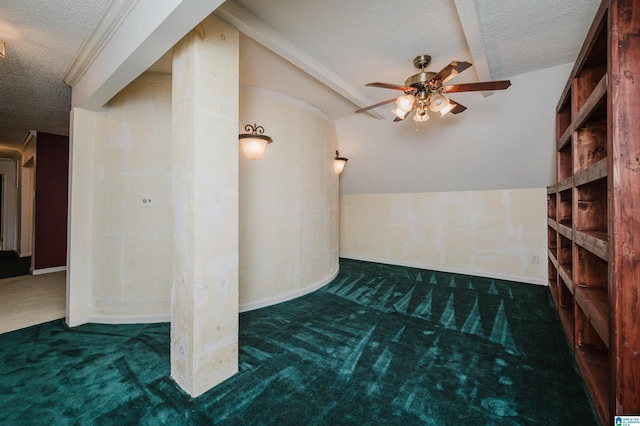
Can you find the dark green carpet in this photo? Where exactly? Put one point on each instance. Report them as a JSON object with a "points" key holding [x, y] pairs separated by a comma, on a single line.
{"points": [[379, 345]]}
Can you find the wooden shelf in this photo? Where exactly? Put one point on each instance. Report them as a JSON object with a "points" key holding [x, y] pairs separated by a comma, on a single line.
{"points": [[565, 207], [564, 164], [592, 173], [565, 230], [563, 141], [552, 209], [595, 242], [553, 281], [592, 103], [566, 319], [564, 270], [592, 238], [595, 305], [590, 144], [588, 269], [594, 366], [553, 257], [565, 184]]}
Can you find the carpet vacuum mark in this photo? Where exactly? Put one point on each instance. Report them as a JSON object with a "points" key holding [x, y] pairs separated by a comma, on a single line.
{"points": [[380, 344]]}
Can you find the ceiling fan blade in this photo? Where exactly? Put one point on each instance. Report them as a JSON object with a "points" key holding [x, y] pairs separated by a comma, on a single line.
{"points": [[458, 108], [450, 71], [478, 87], [376, 105], [390, 86]]}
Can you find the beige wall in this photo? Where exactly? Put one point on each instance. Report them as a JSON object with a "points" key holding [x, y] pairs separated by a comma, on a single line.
{"points": [[131, 244], [288, 201], [486, 233], [288, 238]]}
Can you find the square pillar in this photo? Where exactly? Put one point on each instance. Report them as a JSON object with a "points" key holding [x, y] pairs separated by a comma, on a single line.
{"points": [[204, 299]]}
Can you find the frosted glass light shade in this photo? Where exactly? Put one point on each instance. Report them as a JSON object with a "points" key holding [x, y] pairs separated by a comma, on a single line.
{"points": [[254, 147], [339, 163], [405, 102], [401, 114], [444, 111], [254, 143], [338, 166], [437, 102], [421, 115]]}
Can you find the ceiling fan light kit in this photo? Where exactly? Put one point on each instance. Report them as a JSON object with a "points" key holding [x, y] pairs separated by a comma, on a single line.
{"points": [[406, 102], [426, 90], [438, 102], [421, 115]]}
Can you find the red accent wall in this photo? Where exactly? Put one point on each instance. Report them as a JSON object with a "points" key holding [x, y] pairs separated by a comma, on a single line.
{"points": [[52, 178]]}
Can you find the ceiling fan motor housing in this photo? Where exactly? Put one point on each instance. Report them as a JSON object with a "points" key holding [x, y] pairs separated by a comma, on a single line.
{"points": [[419, 80], [422, 61]]}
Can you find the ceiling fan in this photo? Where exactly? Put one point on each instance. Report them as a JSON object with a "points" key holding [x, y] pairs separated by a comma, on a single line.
{"points": [[426, 90]]}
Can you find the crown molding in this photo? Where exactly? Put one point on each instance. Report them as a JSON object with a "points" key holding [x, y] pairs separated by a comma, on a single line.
{"points": [[116, 13]]}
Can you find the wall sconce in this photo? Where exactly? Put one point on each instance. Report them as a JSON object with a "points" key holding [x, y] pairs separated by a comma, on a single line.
{"points": [[2, 52], [338, 163], [254, 143]]}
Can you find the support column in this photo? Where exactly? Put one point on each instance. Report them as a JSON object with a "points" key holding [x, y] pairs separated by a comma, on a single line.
{"points": [[204, 299]]}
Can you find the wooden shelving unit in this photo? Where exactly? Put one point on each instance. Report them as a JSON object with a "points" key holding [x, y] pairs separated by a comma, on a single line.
{"points": [[593, 224]]}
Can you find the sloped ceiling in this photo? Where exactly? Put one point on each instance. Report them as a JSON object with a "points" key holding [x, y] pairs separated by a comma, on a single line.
{"points": [[376, 40], [341, 44]]}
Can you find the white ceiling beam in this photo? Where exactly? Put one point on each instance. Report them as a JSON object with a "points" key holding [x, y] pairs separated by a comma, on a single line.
{"points": [[470, 21], [273, 40], [131, 36]]}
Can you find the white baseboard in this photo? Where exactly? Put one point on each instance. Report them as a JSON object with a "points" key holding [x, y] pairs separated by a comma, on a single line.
{"points": [[48, 270], [498, 276], [129, 319], [287, 296]]}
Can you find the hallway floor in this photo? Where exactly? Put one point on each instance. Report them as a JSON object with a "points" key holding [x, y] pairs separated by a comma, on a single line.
{"points": [[31, 299]]}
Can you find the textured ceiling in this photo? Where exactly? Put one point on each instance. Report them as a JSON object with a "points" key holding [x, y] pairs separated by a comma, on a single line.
{"points": [[42, 39], [376, 40], [342, 44]]}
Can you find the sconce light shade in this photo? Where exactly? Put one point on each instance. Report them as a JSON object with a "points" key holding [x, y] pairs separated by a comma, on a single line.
{"points": [[254, 143], [339, 163], [2, 51]]}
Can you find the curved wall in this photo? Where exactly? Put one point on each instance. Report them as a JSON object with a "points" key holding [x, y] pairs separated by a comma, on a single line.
{"points": [[288, 204], [288, 201]]}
